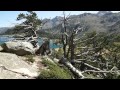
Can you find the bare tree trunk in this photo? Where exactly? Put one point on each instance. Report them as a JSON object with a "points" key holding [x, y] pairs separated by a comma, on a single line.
{"points": [[64, 39], [68, 52], [64, 46], [35, 34], [72, 47], [69, 47]]}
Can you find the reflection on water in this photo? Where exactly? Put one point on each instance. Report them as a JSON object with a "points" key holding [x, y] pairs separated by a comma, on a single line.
{"points": [[40, 41]]}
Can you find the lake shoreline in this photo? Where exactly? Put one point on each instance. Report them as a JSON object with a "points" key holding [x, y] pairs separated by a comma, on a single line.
{"points": [[6, 38]]}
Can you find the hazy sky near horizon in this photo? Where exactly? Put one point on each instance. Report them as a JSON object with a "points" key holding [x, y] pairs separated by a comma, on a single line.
{"points": [[8, 18]]}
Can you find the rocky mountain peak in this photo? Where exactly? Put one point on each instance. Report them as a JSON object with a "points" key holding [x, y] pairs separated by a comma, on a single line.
{"points": [[101, 13]]}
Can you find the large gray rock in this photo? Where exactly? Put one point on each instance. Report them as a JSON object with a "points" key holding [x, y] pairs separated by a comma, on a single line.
{"points": [[1, 49], [18, 47], [14, 63]]}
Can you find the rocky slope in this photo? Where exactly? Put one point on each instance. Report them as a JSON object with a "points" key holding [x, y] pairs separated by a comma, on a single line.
{"points": [[18, 61], [103, 21], [12, 67]]}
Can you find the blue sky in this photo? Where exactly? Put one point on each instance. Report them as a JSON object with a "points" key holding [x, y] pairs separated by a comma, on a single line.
{"points": [[8, 18]]}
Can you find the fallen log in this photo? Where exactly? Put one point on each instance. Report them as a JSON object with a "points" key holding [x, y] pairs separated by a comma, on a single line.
{"points": [[71, 67]]}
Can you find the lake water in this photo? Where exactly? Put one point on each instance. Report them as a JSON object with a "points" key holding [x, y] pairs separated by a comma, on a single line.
{"points": [[40, 41]]}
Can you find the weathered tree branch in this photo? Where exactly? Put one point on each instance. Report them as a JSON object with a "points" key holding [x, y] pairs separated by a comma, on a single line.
{"points": [[85, 40], [95, 68], [80, 59], [99, 71]]}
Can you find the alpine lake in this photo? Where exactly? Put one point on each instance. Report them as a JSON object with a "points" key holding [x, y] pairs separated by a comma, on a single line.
{"points": [[4, 38]]}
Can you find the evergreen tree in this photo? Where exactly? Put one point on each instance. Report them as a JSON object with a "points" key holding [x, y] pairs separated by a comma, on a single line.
{"points": [[31, 22]]}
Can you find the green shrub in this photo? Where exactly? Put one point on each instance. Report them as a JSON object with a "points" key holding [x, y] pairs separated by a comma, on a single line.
{"points": [[30, 58], [54, 72]]}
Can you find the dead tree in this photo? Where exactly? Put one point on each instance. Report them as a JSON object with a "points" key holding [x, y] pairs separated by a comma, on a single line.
{"points": [[68, 38], [69, 46], [69, 42], [64, 36]]}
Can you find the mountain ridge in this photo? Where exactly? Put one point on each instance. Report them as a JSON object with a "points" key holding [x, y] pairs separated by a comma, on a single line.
{"points": [[103, 21]]}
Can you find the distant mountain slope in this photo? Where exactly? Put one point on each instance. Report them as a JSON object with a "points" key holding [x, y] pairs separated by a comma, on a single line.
{"points": [[115, 27], [99, 22], [103, 21], [3, 29]]}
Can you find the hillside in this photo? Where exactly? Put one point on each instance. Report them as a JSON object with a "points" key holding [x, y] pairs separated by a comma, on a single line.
{"points": [[103, 21], [3, 29], [58, 50]]}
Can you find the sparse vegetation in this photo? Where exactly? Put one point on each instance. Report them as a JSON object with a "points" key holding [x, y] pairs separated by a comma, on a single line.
{"points": [[90, 44], [30, 58], [54, 72]]}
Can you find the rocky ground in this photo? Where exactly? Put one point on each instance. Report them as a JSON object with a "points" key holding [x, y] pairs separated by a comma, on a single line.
{"points": [[15, 67], [19, 61]]}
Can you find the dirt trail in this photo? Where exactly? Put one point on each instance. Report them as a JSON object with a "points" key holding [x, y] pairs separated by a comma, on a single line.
{"points": [[38, 63]]}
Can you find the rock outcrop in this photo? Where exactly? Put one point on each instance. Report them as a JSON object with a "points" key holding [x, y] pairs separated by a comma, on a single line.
{"points": [[1, 49], [12, 67], [19, 47]]}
